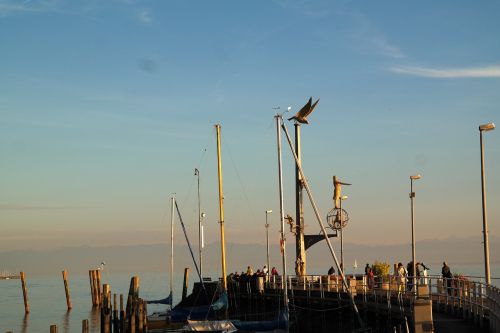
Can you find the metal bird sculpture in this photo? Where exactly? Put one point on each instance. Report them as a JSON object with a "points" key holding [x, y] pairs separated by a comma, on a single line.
{"points": [[306, 110]]}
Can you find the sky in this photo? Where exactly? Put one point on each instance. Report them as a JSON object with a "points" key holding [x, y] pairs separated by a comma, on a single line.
{"points": [[107, 107]]}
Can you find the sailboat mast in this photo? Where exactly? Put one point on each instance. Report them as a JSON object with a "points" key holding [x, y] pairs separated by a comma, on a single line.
{"points": [[282, 214], [221, 210], [172, 251], [200, 246]]}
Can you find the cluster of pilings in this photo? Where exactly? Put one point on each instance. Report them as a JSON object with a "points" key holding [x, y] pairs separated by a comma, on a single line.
{"points": [[119, 319]]}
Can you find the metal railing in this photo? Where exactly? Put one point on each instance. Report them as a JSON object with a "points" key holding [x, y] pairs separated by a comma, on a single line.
{"points": [[472, 300]]}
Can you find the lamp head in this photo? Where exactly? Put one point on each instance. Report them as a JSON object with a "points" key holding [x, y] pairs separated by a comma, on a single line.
{"points": [[344, 197], [269, 211], [415, 177], [486, 127]]}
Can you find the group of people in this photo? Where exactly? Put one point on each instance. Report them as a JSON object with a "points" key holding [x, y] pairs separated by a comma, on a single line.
{"points": [[249, 274]]}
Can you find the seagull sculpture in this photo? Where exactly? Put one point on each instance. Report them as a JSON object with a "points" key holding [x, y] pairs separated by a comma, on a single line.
{"points": [[306, 110]]}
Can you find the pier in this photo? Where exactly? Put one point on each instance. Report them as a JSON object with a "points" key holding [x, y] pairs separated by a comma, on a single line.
{"points": [[319, 302]]}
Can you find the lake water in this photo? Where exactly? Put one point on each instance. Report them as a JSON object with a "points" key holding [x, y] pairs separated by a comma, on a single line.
{"points": [[48, 302]]}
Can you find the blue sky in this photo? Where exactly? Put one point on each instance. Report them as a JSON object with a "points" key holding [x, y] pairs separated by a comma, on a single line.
{"points": [[108, 106]]}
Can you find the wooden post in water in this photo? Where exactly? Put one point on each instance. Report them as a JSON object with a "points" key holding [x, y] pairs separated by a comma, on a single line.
{"points": [[25, 293], [106, 302], [123, 317], [140, 308], [185, 284], [66, 289], [99, 293], [85, 326], [145, 316], [132, 322], [116, 320], [53, 328], [95, 286], [91, 287]]}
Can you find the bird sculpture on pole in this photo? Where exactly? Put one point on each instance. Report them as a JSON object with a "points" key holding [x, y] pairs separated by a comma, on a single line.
{"points": [[337, 192], [306, 110]]}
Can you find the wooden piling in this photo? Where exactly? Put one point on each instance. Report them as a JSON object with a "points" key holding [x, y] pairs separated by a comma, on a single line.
{"points": [[140, 318], [66, 289], [95, 286], [25, 293], [123, 317], [85, 326], [145, 317], [106, 308], [132, 323], [53, 328], [91, 287], [116, 320], [99, 293], [185, 284]]}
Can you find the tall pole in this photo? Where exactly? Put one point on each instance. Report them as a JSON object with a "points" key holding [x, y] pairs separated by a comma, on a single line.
{"points": [[172, 252], [341, 238], [267, 241], [221, 210], [300, 252], [413, 257], [200, 247], [282, 214], [483, 128]]}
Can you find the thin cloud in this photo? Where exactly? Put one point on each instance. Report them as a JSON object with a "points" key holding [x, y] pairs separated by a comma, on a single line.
{"points": [[8, 7], [24, 207], [145, 16], [385, 48], [448, 73]]}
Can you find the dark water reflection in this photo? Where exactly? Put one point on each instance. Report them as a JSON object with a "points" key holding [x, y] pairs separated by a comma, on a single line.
{"points": [[65, 322], [94, 321], [24, 323]]}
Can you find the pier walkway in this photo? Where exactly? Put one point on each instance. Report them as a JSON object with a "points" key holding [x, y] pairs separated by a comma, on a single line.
{"points": [[453, 305]]}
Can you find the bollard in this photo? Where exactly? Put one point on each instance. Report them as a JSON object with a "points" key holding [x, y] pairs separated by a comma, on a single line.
{"points": [[25, 293], [85, 326], [185, 284], [53, 328], [66, 289]]}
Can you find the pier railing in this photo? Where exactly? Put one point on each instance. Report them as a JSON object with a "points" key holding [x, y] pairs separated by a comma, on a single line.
{"points": [[471, 300]]}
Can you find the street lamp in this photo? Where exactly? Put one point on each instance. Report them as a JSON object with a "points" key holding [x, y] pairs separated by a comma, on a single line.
{"points": [[485, 128], [342, 198], [267, 239], [414, 263]]}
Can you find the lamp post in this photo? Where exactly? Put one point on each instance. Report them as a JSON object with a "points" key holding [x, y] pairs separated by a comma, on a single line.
{"points": [[414, 263], [342, 198], [267, 239], [485, 128]]}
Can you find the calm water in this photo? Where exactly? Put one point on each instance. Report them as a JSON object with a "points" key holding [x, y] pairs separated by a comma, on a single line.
{"points": [[48, 301]]}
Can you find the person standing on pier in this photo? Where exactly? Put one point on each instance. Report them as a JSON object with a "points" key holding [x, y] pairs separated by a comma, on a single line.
{"points": [[447, 276], [401, 277], [410, 273]]}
